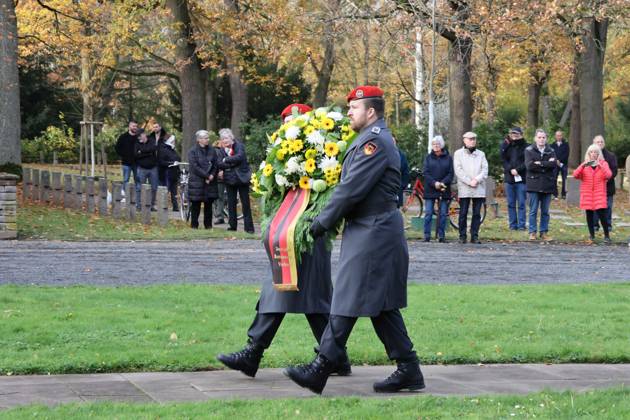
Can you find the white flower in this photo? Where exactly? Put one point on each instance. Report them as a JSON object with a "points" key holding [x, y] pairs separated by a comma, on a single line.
{"points": [[269, 149], [292, 132], [320, 112], [316, 138], [262, 165], [328, 163], [293, 166], [337, 116], [282, 181], [278, 141]]}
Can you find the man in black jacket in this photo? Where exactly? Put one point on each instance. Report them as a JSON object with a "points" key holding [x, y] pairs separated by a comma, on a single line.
{"points": [[611, 159], [125, 146], [159, 136], [514, 171], [167, 155], [146, 159], [562, 150], [236, 175]]}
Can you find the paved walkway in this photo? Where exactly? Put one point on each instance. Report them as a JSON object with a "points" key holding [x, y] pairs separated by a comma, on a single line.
{"points": [[457, 380], [245, 262]]}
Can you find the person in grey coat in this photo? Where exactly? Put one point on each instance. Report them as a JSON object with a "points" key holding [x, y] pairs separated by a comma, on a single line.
{"points": [[374, 261], [312, 299]]}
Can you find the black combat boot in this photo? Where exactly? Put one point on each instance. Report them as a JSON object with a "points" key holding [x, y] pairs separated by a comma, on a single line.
{"points": [[246, 360], [407, 376], [344, 368], [313, 375]]}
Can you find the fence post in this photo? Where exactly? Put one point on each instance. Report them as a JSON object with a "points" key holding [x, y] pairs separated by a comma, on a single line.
{"points": [[78, 192], [68, 197], [35, 193], [45, 181], [27, 184], [8, 206], [89, 195], [130, 201], [162, 205], [145, 194], [102, 202], [56, 188], [116, 200]]}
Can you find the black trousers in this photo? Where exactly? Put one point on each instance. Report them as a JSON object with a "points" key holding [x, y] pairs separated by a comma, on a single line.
{"points": [[243, 192], [195, 209], [389, 326], [464, 204], [564, 171], [264, 327], [603, 219]]}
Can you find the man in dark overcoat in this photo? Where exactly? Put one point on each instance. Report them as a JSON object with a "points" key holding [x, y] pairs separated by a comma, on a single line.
{"points": [[312, 299], [372, 279]]}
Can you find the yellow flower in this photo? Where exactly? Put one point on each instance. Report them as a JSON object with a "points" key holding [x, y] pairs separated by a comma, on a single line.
{"points": [[315, 123], [281, 153], [310, 154], [345, 128], [284, 144], [310, 166], [331, 180], [268, 169], [305, 183], [328, 124], [273, 137], [338, 169], [331, 149], [296, 146], [308, 130]]}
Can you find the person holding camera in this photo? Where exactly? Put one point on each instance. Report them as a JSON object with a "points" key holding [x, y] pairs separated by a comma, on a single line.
{"points": [[438, 175], [594, 173]]}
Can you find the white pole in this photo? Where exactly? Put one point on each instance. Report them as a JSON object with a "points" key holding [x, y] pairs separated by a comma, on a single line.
{"points": [[431, 132], [419, 85], [92, 145]]}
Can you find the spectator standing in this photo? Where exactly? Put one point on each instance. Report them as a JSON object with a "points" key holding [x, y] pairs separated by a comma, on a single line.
{"points": [[438, 175], [562, 149], [125, 148], [611, 159], [219, 203], [471, 169], [540, 160], [146, 159], [167, 155], [514, 175], [236, 176], [202, 184], [159, 136], [594, 173]]}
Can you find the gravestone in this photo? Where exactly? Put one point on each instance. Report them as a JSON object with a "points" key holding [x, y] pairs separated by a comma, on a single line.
{"points": [[56, 188], [573, 192], [8, 206], [89, 195], [117, 209], [162, 205], [103, 207], [130, 201], [68, 197], [35, 192], [27, 184], [145, 200], [78, 192]]}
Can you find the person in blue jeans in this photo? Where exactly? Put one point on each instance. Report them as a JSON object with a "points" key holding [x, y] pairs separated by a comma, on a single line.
{"points": [[541, 163], [514, 175], [146, 159], [125, 148], [438, 176]]}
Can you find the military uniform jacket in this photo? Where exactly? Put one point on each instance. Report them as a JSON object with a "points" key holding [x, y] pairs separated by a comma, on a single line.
{"points": [[314, 284], [374, 259]]}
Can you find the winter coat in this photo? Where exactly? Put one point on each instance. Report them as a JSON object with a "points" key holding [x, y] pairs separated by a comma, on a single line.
{"points": [[203, 163], [562, 151], [541, 177], [469, 166], [593, 185], [611, 159], [167, 156], [234, 164], [438, 169], [125, 148], [513, 157], [146, 154]]}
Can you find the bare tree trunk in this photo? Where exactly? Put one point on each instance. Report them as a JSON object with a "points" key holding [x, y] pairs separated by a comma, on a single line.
{"points": [[324, 72], [533, 103], [191, 75], [211, 101], [459, 90], [10, 150], [419, 112], [238, 89], [575, 155], [591, 78]]}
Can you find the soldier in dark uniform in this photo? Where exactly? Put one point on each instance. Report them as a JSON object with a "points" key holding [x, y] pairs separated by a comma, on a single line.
{"points": [[312, 299], [372, 279]]}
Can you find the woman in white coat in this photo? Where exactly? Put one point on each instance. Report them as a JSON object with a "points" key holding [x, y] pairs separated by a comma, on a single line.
{"points": [[471, 169]]}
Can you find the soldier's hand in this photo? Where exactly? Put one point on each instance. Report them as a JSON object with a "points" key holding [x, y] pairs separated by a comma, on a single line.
{"points": [[316, 230]]}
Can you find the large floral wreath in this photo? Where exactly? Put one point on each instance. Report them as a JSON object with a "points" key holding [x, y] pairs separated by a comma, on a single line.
{"points": [[305, 152]]}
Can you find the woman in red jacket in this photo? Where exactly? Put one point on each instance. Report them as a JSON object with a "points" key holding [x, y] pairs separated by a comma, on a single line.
{"points": [[594, 173]]}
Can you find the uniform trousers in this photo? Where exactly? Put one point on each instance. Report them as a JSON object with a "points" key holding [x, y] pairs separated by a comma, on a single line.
{"points": [[389, 326], [264, 327]]}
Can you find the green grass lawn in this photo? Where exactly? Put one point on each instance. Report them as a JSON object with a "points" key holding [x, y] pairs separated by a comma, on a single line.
{"points": [[609, 404], [173, 328]]}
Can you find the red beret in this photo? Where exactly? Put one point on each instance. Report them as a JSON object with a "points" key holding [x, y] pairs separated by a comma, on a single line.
{"points": [[301, 109], [362, 92]]}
